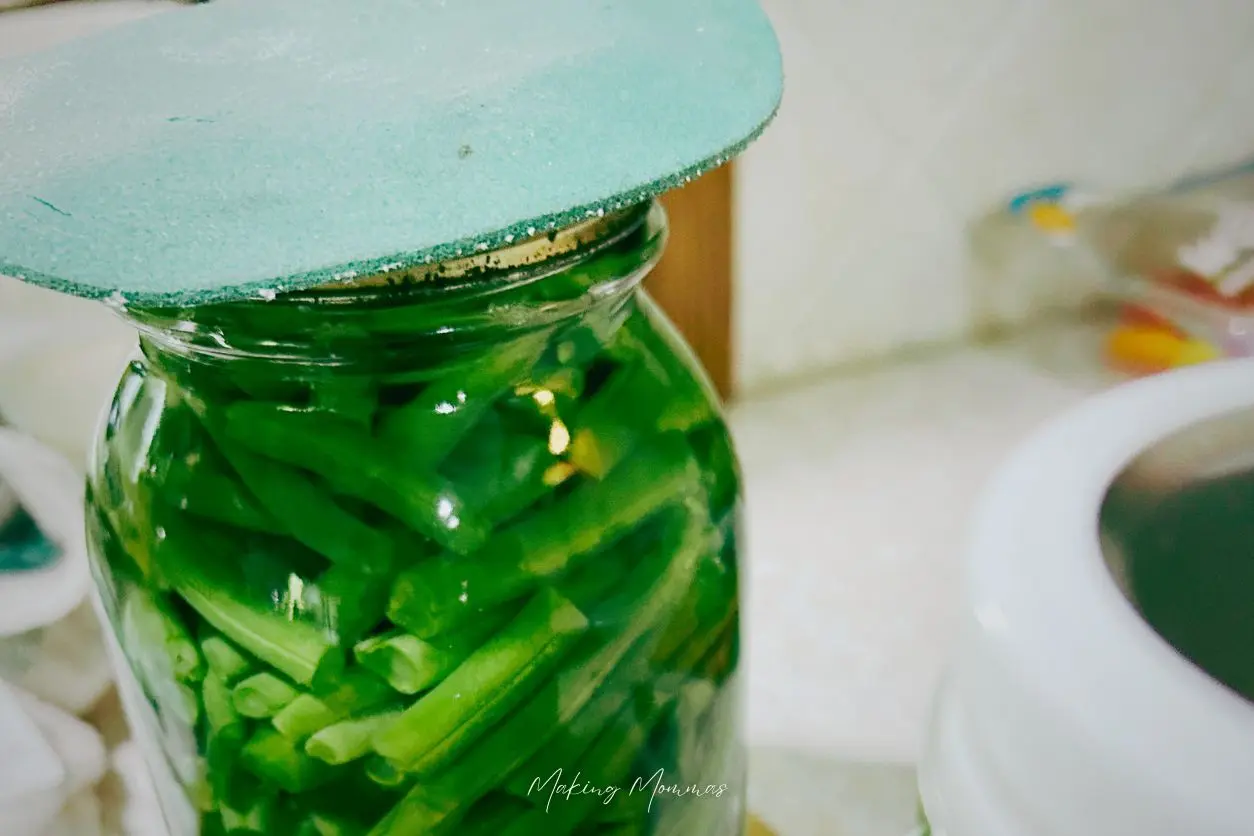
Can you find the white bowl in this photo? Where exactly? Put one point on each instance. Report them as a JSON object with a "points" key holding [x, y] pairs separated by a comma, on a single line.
{"points": [[1063, 713]]}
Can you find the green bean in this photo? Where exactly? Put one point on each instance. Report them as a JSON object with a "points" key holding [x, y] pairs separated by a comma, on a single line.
{"points": [[384, 774], [216, 590], [352, 399], [262, 695], [614, 420], [355, 693], [492, 814], [350, 740], [411, 664], [501, 473], [486, 686], [424, 431], [304, 716], [648, 337], [148, 622], [355, 464], [224, 659], [312, 516], [605, 765], [656, 584], [720, 469], [256, 818], [573, 737], [437, 596], [199, 484], [319, 824], [222, 762], [271, 756], [355, 603], [219, 703]]}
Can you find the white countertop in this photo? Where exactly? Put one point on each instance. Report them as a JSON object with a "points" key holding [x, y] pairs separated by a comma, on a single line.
{"points": [[859, 492]]}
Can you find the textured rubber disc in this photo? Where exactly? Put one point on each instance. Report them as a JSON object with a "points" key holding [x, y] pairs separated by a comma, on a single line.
{"points": [[243, 147]]}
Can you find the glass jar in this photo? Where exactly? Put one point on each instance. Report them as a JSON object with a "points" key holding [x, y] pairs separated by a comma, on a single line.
{"points": [[450, 550]]}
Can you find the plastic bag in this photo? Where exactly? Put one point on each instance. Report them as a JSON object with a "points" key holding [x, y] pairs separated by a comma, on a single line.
{"points": [[1179, 261]]}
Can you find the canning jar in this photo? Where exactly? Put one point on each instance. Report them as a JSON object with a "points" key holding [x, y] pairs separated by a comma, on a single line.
{"points": [[442, 550]]}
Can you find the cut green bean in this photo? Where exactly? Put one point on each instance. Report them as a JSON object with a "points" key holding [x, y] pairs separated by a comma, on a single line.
{"points": [[312, 516], [219, 594], [384, 774], [355, 603], [492, 814], [222, 762], [614, 420], [356, 693], [486, 686], [720, 469], [351, 399], [350, 740], [425, 430], [648, 338], [256, 818], [438, 596], [150, 624], [606, 764], [204, 487], [410, 664], [657, 585], [573, 737], [303, 717], [262, 695], [271, 756], [356, 464], [224, 659], [502, 473], [219, 703], [319, 824]]}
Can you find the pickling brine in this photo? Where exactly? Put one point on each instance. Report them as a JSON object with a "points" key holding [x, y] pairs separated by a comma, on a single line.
{"points": [[443, 551]]}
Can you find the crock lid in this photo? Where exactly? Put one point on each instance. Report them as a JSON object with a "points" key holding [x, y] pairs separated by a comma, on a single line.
{"points": [[215, 151]]}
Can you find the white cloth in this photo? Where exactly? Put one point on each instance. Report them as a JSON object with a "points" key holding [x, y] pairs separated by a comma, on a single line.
{"points": [[49, 638], [140, 814], [60, 360], [52, 661], [51, 765]]}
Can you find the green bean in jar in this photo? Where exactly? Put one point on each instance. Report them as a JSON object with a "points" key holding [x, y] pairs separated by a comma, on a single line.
{"points": [[452, 550]]}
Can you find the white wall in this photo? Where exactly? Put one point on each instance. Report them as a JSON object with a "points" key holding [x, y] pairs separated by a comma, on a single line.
{"points": [[905, 119]]}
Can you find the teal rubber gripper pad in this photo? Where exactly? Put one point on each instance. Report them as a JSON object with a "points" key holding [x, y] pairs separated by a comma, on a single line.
{"points": [[245, 147]]}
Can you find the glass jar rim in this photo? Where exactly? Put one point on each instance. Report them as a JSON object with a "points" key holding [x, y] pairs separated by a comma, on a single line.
{"points": [[482, 297], [583, 240]]}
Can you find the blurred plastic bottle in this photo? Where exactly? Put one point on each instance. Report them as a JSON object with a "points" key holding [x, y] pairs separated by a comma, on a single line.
{"points": [[1180, 261]]}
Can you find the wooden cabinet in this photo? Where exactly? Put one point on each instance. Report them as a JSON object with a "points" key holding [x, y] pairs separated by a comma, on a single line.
{"points": [[693, 284]]}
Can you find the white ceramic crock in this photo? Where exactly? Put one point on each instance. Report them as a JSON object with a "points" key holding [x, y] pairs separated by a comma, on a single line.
{"points": [[1063, 713]]}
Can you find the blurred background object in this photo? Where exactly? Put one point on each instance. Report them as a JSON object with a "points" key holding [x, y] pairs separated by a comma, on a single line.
{"points": [[58, 360], [53, 669], [903, 123], [1177, 261]]}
